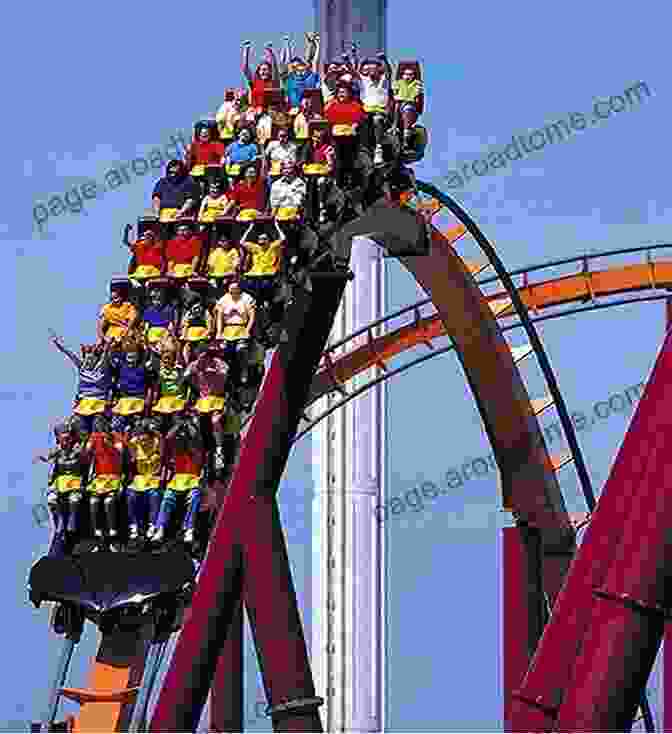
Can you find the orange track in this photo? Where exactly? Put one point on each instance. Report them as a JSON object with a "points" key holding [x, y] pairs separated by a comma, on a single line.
{"points": [[537, 296]]}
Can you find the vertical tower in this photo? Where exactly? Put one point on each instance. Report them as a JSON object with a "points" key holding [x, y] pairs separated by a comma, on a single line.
{"points": [[349, 466]]}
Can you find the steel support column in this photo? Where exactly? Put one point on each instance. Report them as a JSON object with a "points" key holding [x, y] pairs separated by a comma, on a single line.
{"points": [[227, 703], [248, 535], [524, 606]]}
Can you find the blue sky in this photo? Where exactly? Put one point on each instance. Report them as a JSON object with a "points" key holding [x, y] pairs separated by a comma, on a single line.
{"points": [[95, 90]]}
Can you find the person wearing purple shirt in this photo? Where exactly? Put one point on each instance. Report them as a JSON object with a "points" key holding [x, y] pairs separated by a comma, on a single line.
{"points": [[159, 316]]}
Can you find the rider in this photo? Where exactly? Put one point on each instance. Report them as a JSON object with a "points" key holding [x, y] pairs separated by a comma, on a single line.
{"points": [[196, 326], [66, 479], [235, 314], [185, 451], [148, 260], [229, 115], [205, 150], [169, 395], [224, 261], [302, 76], [243, 150], [265, 77], [95, 378], [145, 448], [375, 80], [106, 454], [249, 194], [345, 115], [118, 317], [209, 372], [159, 317], [132, 381], [288, 194], [318, 157], [215, 204], [261, 279], [176, 195], [183, 251], [279, 151]]}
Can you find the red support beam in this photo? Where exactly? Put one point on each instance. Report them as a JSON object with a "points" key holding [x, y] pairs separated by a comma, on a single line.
{"points": [[248, 536], [523, 613], [227, 701], [628, 616], [537, 703]]}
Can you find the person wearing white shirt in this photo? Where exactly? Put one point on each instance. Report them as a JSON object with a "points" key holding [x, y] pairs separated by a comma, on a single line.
{"points": [[280, 151], [375, 81], [288, 194]]}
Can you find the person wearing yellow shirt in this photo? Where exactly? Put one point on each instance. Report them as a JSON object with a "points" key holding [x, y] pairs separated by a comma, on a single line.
{"points": [[224, 265], [215, 204], [266, 259], [144, 494], [117, 317]]}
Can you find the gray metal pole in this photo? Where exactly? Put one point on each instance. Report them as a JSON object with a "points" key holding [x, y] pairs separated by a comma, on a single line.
{"points": [[59, 681], [152, 664]]}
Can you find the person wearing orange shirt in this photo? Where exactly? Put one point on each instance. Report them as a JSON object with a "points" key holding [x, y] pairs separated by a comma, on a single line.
{"points": [[117, 318], [148, 258], [106, 454], [183, 252]]}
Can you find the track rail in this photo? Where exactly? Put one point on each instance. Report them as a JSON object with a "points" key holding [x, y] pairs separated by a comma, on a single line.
{"points": [[370, 351]]}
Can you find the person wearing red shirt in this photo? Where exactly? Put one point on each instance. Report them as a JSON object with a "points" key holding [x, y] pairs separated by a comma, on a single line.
{"points": [[204, 154], [265, 77], [105, 452], [183, 252], [318, 157], [249, 194], [185, 451], [345, 116], [148, 259]]}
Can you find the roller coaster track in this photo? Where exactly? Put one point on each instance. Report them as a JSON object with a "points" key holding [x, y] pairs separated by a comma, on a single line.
{"points": [[247, 559], [528, 478], [363, 349]]}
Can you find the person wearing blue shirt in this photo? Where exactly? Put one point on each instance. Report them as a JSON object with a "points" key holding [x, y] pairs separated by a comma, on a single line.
{"points": [[301, 74], [243, 150]]}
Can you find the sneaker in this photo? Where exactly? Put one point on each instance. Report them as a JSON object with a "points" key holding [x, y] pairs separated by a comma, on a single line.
{"points": [[150, 532], [189, 536], [378, 156], [112, 533], [220, 459], [133, 532], [99, 534], [157, 536]]}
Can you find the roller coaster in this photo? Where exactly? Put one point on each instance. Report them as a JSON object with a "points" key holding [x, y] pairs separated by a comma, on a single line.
{"points": [[590, 635]]}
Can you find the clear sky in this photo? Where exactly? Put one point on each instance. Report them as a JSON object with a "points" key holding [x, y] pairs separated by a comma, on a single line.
{"points": [[99, 86]]}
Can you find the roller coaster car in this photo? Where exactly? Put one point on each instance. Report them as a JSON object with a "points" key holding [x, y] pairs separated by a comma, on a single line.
{"points": [[110, 588]]}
